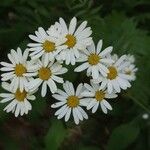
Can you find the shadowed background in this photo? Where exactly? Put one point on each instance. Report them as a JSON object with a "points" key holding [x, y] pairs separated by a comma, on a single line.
{"points": [[123, 24]]}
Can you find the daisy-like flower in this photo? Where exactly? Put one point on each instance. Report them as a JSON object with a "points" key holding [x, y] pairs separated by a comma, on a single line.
{"points": [[131, 71], [116, 79], [45, 44], [130, 58], [19, 104], [70, 101], [95, 60], [47, 74], [77, 39], [96, 97], [19, 70]]}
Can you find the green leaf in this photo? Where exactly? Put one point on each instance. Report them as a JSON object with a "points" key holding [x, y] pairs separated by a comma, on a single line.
{"points": [[55, 135], [123, 136]]}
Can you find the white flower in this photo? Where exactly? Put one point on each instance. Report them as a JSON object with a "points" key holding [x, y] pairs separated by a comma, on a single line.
{"points": [[76, 39], [131, 69], [19, 70], [114, 57], [70, 101], [19, 104], [115, 79], [47, 74], [130, 58], [96, 97], [145, 116], [95, 61], [45, 44]]}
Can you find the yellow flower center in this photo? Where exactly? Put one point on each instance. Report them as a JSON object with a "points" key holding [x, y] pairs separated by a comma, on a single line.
{"points": [[48, 46], [73, 101], [20, 96], [99, 95], [93, 59], [45, 73], [20, 70], [71, 40], [112, 73]]}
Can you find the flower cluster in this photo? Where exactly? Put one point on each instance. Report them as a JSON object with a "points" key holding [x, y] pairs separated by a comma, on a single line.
{"points": [[40, 66]]}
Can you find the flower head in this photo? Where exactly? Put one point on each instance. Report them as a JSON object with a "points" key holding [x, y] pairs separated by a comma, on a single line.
{"points": [[45, 45], [131, 69], [95, 60], [19, 104], [19, 71], [47, 74], [97, 97], [77, 39], [116, 79], [70, 102]]}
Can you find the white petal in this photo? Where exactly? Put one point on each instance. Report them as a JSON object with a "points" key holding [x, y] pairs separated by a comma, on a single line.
{"points": [[38, 55], [31, 97], [59, 111], [67, 116], [64, 26], [84, 114], [10, 106], [7, 64], [72, 25], [107, 104], [60, 97], [120, 60], [81, 27], [58, 104], [91, 104], [99, 46], [35, 83], [104, 109], [44, 89], [57, 79], [6, 95], [6, 99], [109, 87], [78, 113], [79, 89], [11, 59], [89, 87], [61, 115], [95, 72], [62, 93], [116, 86], [94, 109], [76, 119], [52, 85], [34, 38], [107, 61], [87, 94], [17, 110], [21, 84], [106, 51], [66, 88], [82, 67], [70, 86]]}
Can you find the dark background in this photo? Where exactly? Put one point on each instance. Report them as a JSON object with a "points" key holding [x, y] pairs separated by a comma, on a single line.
{"points": [[124, 24]]}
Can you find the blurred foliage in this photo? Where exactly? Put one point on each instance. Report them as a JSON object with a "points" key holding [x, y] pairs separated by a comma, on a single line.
{"points": [[123, 24]]}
